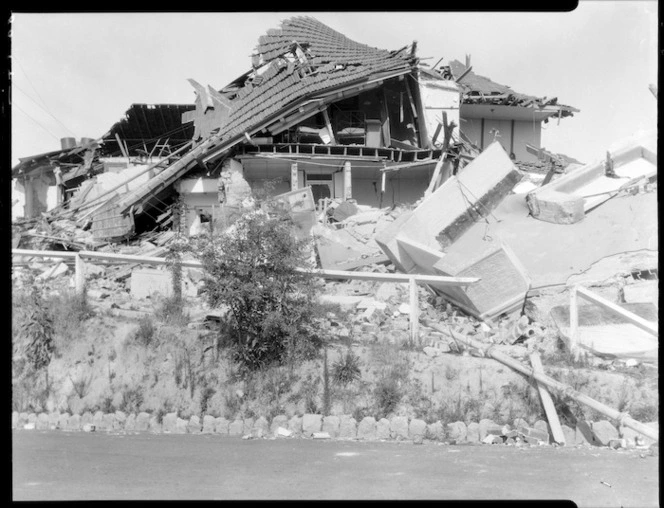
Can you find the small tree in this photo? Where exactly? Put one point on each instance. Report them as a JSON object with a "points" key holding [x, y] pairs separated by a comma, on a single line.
{"points": [[38, 331], [252, 269]]}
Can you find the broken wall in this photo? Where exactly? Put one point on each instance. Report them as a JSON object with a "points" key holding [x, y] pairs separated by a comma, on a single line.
{"points": [[439, 96], [525, 132]]}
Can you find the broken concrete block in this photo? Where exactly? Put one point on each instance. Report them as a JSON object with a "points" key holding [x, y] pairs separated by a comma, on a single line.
{"points": [[366, 429], [88, 427], [383, 429], [567, 199], [311, 423], [331, 425], [503, 283], [646, 291], [530, 434], [283, 432], [616, 444], [278, 421], [321, 435], [487, 426], [432, 351], [148, 281], [53, 272], [604, 432], [453, 208]]}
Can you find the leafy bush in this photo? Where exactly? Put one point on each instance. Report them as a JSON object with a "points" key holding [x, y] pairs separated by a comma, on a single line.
{"points": [[347, 368], [170, 310], [146, 331], [37, 329], [251, 269]]}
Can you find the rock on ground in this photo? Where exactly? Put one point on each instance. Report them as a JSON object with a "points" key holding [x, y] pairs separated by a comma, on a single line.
{"points": [[347, 427], [221, 425], [457, 432], [383, 429], [331, 425], [311, 423], [417, 430], [367, 428], [473, 432], [399, 427], [604, 432]]}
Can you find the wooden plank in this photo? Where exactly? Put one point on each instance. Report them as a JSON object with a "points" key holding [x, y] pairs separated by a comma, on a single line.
{"points": [[348, 181], [79, 268], [629, 316], [328, 274], [547, 401], [329, 126]]}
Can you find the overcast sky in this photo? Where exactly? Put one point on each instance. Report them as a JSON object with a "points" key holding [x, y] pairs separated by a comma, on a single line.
{"points": [[75, 75]]}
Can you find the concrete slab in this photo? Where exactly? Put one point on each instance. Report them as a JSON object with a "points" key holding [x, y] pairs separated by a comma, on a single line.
{"points": [[567, 199], [442, 218], [552, 253]]}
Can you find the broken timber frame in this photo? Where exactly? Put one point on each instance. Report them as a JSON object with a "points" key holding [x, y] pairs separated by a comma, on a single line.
{"points": [[622, 418]]}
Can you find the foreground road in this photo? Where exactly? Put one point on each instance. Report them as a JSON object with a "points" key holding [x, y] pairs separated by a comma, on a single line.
{"points": [[56, 465]]}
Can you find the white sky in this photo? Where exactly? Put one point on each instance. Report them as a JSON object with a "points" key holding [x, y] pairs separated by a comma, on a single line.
{"points": [[74, 75]]}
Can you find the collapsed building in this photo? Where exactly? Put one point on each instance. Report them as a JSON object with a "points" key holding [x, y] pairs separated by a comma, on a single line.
{"points": [[380, 157]]}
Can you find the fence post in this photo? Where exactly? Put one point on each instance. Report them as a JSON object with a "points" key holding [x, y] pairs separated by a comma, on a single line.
{"points": [[414, 311], [573, 322], [79, 274]]}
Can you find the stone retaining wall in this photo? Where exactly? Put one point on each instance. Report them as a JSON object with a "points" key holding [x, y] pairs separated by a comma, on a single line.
{"points": [[345, 427]]}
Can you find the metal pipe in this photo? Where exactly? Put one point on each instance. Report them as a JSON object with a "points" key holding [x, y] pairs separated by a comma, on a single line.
{"points": [[623, 419]]}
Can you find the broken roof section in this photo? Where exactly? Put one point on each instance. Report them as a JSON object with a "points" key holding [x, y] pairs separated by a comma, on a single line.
{"points": [[482, 90], [297, 71], [301, 60], [148, 128]]}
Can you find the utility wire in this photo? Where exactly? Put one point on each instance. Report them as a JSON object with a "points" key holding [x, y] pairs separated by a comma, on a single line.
{"points": [[30, 117], [43, 105]]}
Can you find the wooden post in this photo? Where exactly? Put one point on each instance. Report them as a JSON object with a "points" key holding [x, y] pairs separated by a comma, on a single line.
{"points": [[573, 321], [414, 311], [79, 274], [293, 176], [326, 116], [348, 185], [547, 402]]}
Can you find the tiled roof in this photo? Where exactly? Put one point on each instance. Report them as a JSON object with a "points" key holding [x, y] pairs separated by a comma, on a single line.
{"points": [[331, 60], [480, 89]]}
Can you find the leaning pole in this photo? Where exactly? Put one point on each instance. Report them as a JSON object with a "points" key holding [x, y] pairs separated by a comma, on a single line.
{"points": [[623, 419]]}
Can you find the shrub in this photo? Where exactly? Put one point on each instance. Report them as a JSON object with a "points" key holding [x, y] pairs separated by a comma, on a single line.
{"points": [[251, 269], [37, 329], [146, 331], [347, 368], [387, 395], [170, 310]]}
